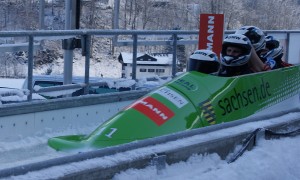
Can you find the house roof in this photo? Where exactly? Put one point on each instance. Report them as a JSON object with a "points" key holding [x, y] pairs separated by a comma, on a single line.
{"points": [[161, 58]]}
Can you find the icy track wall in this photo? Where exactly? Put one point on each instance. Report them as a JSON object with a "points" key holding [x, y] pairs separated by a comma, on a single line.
{"points": [[27, 119]]}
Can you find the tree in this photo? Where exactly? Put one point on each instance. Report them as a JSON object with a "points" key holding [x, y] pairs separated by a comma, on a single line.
{"points": [[181, 57]]}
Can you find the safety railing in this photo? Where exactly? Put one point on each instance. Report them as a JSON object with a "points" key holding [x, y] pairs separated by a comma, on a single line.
{"points": [[135, 36]]}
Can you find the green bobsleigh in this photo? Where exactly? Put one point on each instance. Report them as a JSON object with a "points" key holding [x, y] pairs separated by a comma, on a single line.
{"points": [[192, 100]]}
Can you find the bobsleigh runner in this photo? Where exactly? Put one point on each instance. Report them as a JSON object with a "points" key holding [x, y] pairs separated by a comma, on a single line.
{"points": [[192, 100]]}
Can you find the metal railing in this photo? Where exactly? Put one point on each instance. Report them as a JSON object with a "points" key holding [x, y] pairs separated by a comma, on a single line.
{"points": [[134, 41]]}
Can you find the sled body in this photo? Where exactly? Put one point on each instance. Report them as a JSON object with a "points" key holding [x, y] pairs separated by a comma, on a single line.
{"points": [[192, 100]]}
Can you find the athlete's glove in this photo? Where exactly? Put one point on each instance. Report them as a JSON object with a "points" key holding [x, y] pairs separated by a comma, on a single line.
{"points": [[271, 63]]}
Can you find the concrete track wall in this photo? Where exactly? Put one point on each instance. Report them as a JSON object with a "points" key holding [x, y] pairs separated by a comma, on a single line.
{"points": [[26, 119]]}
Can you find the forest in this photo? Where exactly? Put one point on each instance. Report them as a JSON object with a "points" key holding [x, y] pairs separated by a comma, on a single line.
{"points": [[147, 14], [135, 14]]}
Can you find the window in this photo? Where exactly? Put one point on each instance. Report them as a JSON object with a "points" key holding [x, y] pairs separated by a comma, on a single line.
{"points": [[143, 70], [151, 70], [160, 70], [48, 83]]}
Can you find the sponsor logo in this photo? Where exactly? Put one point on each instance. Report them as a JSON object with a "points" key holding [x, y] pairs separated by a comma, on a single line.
{"points": [[200, 52], [208, 112], [153, 109], [189, 85], [172, 96], [233, 37], [237, 100], [210, 32]]}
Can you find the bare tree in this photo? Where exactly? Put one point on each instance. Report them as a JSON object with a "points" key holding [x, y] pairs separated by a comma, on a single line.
{"points": [[274, 14]]}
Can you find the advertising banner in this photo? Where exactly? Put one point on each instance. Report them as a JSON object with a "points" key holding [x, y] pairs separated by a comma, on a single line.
{"points": [[211, 32]]}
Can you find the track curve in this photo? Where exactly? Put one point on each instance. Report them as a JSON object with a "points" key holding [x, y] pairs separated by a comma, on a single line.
{"points": [[37, 157]]}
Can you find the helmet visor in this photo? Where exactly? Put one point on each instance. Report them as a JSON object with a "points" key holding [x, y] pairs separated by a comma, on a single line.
{"points": [[272, 44], [206, 67], [253, 37]]}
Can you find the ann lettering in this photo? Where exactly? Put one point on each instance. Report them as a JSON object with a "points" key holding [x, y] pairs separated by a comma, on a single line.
{"points": [[210, 32]]}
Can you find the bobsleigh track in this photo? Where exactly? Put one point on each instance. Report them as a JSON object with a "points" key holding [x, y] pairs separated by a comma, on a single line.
{"points": [[35, 122]]}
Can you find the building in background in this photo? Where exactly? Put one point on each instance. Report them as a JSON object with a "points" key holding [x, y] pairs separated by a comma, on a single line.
{"points": [[147, 65]]}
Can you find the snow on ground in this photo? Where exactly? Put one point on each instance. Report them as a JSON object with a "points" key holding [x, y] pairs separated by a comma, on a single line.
{"points": [[102, 68], [275, 159], [11, 83], [269, 160]]}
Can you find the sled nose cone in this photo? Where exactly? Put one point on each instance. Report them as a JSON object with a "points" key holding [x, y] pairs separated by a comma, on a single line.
{"points": [[67, 142]]}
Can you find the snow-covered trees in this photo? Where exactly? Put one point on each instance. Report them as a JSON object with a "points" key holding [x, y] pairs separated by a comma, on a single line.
{"points": [[144, 15], [153, 14], [166, 14]]}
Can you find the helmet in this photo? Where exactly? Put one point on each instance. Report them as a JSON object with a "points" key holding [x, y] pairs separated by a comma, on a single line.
{"points": [[274, 50], [271, 42], [204, 61], [239, 41], [255, 35]]}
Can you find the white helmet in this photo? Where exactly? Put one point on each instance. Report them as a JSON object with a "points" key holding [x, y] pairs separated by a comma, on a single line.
{"points": [[255, 35], [275, 51], [239, 41], [204, 61]]}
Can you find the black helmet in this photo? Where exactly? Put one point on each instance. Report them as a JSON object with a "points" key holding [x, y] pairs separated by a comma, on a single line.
{"points": [[274, 50], [204, 61], [255, 35]]}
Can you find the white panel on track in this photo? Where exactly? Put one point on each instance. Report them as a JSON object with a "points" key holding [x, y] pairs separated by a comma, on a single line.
{"points": [[294, 49], [56, 119], [20, 126], [15, 127]]}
